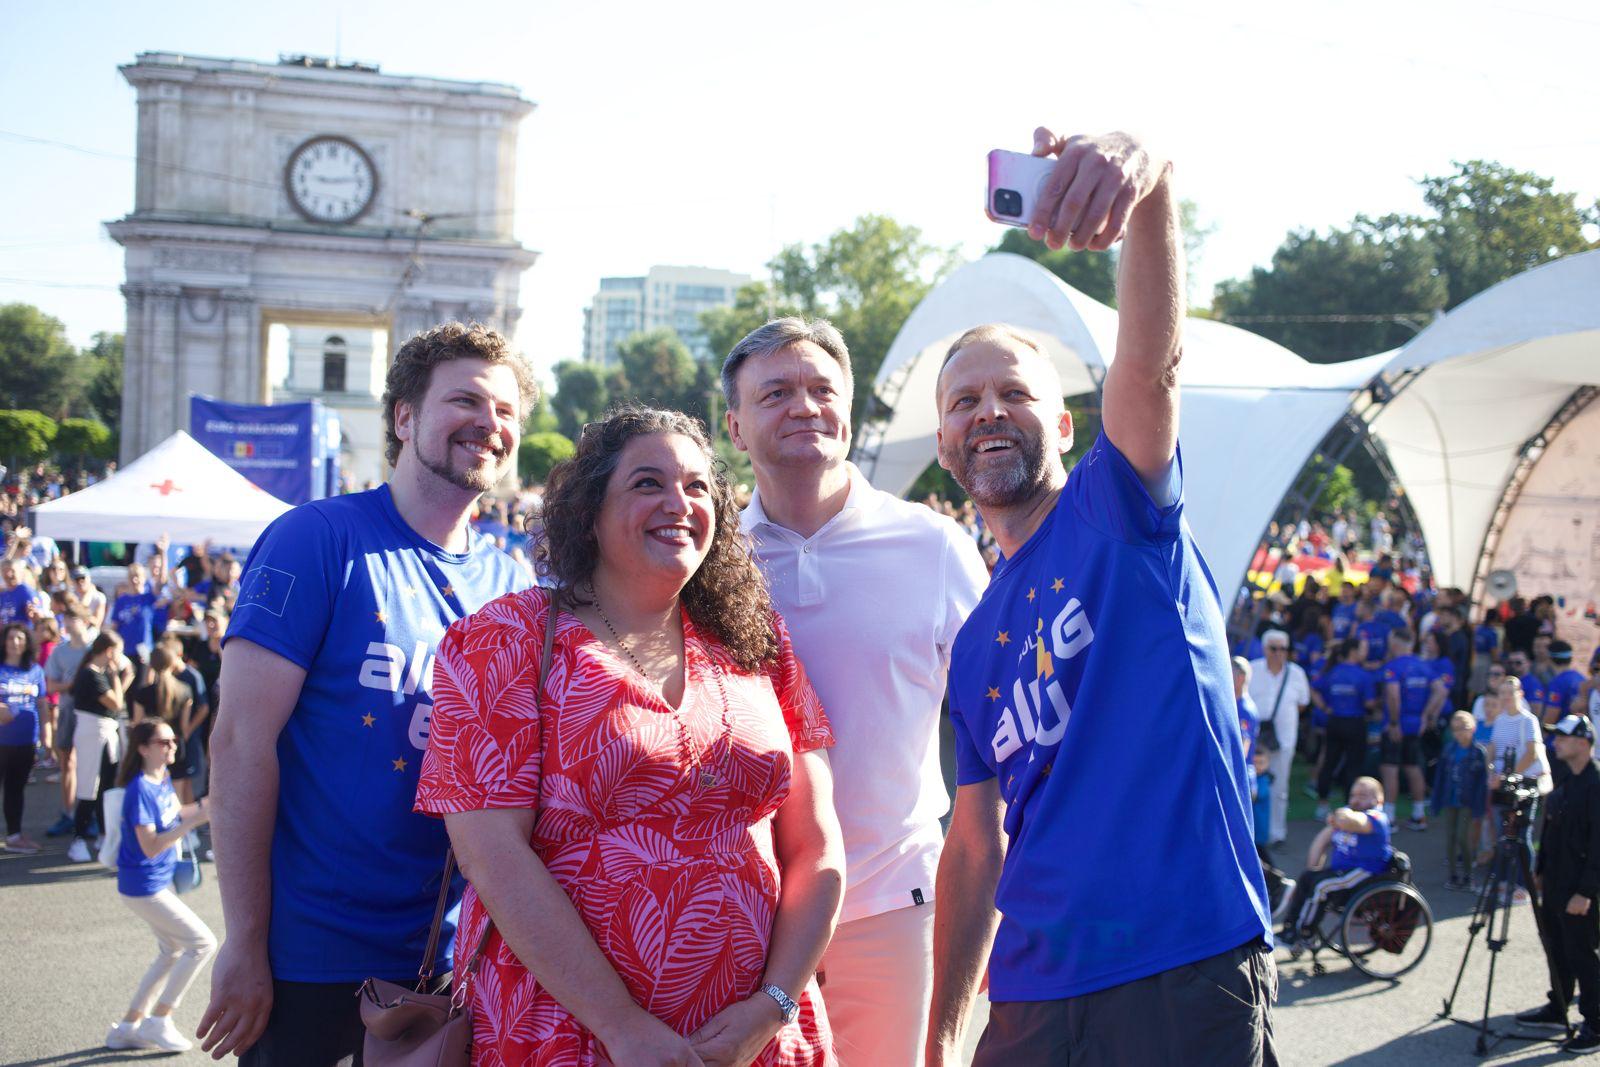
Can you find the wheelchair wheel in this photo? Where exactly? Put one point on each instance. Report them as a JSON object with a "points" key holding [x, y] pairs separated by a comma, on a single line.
{"points": [[1386, 930]]}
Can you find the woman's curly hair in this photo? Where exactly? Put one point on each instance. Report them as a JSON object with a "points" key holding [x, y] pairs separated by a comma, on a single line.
{"points": [[726, 596]]}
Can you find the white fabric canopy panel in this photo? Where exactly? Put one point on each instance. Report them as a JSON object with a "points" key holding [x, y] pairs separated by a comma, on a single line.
{"points": [[1251, 410], [1491, 375], [177, 488]]}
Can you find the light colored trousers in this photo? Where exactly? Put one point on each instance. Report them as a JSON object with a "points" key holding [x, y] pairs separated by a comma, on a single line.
{"points": [[1280, 763], [877, 984], [90, 737], [185, 941]]}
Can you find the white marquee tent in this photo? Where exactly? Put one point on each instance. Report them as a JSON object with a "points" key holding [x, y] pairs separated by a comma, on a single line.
{"points": [[1489, 377], [1252, 411], [1479, 397], [176, 488]]}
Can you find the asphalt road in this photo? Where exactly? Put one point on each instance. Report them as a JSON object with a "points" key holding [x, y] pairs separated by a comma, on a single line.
{"points": [[75, 954]]}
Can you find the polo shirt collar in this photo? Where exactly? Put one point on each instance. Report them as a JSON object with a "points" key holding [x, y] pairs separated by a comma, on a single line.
{"points": [[862, 498]]}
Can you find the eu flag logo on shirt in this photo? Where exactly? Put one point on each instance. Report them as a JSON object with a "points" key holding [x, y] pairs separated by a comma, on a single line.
{"points": [[268, 588]]}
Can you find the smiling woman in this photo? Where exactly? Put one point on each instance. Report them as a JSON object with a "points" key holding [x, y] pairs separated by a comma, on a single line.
{"points": [[653, 861]]}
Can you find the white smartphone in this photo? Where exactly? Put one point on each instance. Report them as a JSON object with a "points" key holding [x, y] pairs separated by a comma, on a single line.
{"points": [[1016, 182]]}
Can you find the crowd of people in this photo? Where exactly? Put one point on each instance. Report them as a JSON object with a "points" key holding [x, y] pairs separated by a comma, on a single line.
{"points": [[675, 752]]}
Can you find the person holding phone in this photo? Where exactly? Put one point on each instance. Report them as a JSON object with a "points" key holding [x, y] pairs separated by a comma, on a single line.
{"points": [[1100, 623]]}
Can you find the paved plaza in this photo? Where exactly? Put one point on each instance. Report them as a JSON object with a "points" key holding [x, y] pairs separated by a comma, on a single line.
{"points": [[79, 953]]}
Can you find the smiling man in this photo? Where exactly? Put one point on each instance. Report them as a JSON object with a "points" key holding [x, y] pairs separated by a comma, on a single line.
{"points": [[327, 876], [1101, 802], [873, 589]]}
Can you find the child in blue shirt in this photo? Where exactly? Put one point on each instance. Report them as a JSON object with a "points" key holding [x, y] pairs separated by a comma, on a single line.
{"points": [[1460, 791], [1357, 838], [153, 822]]}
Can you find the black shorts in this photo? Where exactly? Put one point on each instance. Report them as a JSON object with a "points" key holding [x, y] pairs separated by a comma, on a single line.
{"points": [[1403, 753], [1222, 1004]]}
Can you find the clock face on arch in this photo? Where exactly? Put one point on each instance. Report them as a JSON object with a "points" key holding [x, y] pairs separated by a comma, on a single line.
{"points": [[330, 179]]}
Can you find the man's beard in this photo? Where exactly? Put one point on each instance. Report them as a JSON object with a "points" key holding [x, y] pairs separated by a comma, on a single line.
{"points": [[999, 484], [473, 479]]}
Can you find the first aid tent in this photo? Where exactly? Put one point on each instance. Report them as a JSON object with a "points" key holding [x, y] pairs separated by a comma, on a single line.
{"points": [[177, 488]]}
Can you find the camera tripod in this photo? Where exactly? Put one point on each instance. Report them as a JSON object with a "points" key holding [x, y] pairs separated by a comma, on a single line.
{"points": [[1494, 903]]}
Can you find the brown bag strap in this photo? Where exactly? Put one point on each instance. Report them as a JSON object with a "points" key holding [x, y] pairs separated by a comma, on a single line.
{"points": [[471, 965]]}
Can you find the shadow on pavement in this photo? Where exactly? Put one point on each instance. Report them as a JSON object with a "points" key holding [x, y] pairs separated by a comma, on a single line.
{"points": [[100, 1054]]}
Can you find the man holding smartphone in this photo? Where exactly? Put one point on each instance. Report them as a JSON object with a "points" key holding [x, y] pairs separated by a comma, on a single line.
{"points": [[873, 589], [1099, 762]]}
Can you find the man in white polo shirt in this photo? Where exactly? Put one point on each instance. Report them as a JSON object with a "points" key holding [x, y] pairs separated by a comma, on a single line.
{"points": [[873, 589], [1281, 692]]}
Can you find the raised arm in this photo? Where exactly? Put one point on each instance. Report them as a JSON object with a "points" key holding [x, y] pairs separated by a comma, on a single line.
{"points": [[1108, 188]]}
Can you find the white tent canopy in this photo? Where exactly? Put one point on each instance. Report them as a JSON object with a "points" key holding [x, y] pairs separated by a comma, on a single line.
{"points": [[177, 488], [1490, 375], [1251, 411]]}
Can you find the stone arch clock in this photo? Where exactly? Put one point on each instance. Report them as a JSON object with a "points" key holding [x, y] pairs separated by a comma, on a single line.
{"points": [[330, 180]]}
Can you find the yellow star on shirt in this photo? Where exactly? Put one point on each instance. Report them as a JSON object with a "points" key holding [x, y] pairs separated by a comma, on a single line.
{"points": [[1004, 638], [1055, 586], [367, 719], [448, 590], [399, 764], [380, 617], [993, 694], [1030, 595]]}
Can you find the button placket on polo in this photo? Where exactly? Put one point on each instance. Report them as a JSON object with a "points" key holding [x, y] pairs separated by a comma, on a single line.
{"points": [[808, 574]]}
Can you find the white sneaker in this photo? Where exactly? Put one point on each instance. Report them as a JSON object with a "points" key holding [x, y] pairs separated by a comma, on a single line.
{"points": [[125, 1035], [78, 851], [157, 1031]]}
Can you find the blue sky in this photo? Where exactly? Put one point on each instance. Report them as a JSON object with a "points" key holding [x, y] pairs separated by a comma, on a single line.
{"points": [[713, 133]]}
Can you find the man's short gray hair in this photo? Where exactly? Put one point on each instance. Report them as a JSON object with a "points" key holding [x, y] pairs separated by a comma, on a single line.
{"points": [[1271, 637], [780, 333]]}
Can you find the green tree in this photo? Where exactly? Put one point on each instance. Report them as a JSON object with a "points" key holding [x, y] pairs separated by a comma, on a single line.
{"points": [[541, 451], [1491, 222], [752, 305], [102, 379], [77, 440], [659, 371], [1329, 298], [25, 436], [540, 419], [1095, 273], [38, 366], [580, 397]]}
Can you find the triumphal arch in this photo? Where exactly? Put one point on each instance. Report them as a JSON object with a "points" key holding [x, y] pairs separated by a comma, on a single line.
{"points": [[305, 193]]}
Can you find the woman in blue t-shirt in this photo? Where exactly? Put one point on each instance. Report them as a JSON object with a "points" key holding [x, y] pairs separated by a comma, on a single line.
{"points": [[152, 824], [21, 686]]}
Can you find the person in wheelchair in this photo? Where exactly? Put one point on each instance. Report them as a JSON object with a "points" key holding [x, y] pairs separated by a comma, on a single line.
{"points": [[1356, 841]]}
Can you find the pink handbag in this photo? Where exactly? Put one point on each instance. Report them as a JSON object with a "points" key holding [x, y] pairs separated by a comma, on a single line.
{"points": [[412, 1028]]}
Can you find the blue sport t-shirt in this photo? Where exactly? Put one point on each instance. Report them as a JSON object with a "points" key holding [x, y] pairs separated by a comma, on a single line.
{"points": [[146, 803], [20, 690], [1415, 679], [135, 616], [1561, 692], [1370, 852], [345, 589], [1348, 689], [1344, 620], [14, 604], [1102, 633]]}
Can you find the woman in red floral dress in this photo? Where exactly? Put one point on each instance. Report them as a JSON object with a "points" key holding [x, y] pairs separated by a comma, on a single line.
{"points": [[655, 840]]}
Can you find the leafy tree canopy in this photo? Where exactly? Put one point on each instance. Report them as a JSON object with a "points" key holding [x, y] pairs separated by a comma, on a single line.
{"points": [[38, 365], [25, 436], [541, 451]]}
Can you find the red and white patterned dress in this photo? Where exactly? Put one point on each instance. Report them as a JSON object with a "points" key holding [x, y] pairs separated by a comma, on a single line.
{"points": [[675, 878]]}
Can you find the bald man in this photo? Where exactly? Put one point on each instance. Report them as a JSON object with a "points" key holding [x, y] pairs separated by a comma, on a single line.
{"points": [[1091, 691]]}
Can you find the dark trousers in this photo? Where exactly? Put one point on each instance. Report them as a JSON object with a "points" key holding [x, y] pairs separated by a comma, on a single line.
{"points": [[313, 1024], [96, 808], [1345, 755], [1221, 1005], [1572, 944], [16, 761]]}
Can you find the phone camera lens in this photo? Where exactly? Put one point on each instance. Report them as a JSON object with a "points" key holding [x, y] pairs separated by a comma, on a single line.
{"points": [[1007, 202]]}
